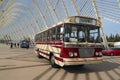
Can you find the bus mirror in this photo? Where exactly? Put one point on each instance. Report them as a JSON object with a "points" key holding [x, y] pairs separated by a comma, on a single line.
{"points": [[62, 30]]}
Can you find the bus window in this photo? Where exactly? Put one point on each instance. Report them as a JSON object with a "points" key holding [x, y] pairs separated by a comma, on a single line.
{"points": [[93, 35], [70, 33], [52, 34], [81, 36], [45, 36], [73, 33], [61, 30], [48, 35], [59, 33]]}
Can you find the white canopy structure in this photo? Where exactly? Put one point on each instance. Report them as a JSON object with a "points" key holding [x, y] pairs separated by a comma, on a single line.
{"points": [[22, 19]]}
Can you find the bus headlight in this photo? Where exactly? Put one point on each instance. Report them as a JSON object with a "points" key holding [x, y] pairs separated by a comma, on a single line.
{"points": [[75, 54], [100, 53], [97, 54], [71, 54]]}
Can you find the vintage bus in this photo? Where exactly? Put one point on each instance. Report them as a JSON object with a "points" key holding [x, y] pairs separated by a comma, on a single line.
{"points": [[74, 41]]}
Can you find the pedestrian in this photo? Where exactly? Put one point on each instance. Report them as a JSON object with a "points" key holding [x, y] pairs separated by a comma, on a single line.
{"points": [[15, 44], [11, 45], [18, 45]]}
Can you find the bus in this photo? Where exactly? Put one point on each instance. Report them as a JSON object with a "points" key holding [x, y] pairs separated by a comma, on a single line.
{"points": [[74, 41], [24, 44]]}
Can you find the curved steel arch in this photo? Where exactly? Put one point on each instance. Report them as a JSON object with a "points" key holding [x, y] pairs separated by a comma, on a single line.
{"points": [[24, 6], [12, 8], [26, 16], [12, 15], [24, 34]]}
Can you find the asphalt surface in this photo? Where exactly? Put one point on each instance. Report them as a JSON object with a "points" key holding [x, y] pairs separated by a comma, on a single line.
{"points": [[22, 64]]}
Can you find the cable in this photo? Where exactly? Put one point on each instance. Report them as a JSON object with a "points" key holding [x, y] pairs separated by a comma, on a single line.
{"points": [[56, 4]]}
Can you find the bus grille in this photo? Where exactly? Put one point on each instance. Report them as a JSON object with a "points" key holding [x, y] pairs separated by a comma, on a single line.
{"points": [[86, 52]]}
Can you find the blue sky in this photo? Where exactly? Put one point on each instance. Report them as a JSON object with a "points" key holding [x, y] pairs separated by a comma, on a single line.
{"points": [[110, 27], [109, 9]]}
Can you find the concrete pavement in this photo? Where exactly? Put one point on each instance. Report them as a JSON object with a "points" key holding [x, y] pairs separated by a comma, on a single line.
{"points": [[22, 64]]}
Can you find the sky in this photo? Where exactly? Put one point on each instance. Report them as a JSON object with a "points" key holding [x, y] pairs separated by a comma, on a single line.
{"points": [[110, 27], [109, 9]]}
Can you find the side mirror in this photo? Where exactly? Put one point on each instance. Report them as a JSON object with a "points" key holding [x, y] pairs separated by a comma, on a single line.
{"points": [[61, 30]]}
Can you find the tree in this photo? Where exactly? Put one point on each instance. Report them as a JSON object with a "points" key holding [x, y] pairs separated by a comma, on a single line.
{"points": [[113, 38]]}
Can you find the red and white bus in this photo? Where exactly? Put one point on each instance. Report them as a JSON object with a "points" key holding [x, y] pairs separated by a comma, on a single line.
{"points": [[74, 41]]}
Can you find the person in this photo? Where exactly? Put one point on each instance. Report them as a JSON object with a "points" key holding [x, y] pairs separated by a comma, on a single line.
{"points": [[15, 45], [11, 45], [18, 45]]}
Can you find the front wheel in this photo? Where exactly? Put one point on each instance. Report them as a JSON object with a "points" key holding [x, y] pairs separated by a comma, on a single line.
{"points": [[52, 61]]}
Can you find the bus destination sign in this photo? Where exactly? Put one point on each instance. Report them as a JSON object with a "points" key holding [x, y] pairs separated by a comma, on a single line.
{"points": [[85, 21]]}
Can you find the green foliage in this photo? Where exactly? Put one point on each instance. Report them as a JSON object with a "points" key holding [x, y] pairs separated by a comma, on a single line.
{"points": [[113, 38]]}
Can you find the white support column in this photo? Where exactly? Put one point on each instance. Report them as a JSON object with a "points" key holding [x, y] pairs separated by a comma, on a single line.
{"points": [[75, 7], [54, 10], [49, 12], [101, 29], [65, 8]]}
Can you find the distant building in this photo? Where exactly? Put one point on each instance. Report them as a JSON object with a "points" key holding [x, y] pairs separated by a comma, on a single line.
{"points": [[117, 44]]}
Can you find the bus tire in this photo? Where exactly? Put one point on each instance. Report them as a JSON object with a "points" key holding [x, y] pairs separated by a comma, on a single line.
{"points": [[52, 61], [38, 55], [82, 65]]}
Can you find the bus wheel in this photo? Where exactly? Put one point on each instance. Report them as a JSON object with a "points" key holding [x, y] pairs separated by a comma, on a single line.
{"points": [[52, 61], [82, 65], [38, 55]]}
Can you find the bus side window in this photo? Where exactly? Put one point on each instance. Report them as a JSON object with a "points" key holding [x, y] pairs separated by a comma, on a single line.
{"points": [[45, 36], [59, 33], [42, 37], [48, 35], [53, 35]]}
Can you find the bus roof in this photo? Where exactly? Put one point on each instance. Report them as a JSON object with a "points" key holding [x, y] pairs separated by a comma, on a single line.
{"points": [[76, 20]]}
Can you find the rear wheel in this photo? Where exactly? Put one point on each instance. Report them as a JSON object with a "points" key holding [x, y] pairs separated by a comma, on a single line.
{"points": [[38, 54]]}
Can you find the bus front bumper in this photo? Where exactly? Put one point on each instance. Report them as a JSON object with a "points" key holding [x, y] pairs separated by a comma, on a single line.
{"points": [[82, 61]]}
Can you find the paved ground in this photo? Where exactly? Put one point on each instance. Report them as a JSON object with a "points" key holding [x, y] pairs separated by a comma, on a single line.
{"points": [[22, 64]]}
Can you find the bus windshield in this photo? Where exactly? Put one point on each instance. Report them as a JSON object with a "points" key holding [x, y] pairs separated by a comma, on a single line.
{"points": [[81, 33]]}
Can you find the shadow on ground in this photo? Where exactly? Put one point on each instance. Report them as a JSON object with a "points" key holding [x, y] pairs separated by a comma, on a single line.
{"points": [[105, 66]]}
